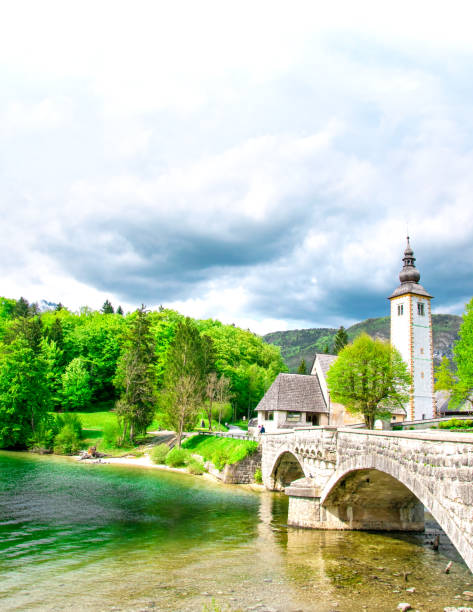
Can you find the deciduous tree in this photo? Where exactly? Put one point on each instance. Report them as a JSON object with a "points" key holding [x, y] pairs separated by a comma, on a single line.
{"points": [[187, 364], [463, 355], [369, 377], [76, 391]]}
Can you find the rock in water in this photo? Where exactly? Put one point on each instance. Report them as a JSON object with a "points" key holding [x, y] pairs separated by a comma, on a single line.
{"points": [[404, 607]]}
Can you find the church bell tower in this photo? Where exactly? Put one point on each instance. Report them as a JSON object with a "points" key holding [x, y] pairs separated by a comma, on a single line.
{"points": [[411, 334]]}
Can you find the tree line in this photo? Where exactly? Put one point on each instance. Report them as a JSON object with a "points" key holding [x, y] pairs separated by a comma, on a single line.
{"points": [[142, 362]]}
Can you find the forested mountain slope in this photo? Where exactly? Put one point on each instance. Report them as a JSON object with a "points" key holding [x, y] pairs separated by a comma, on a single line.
{"points": [[300, 344]]}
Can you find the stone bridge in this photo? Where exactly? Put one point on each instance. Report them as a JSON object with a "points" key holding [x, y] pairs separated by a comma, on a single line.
{"points": [[374, 480]]}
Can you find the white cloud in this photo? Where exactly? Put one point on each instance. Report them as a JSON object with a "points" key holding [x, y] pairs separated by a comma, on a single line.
{"points": [[247, 161]]}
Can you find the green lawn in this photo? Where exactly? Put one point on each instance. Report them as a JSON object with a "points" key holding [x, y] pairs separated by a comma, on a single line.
{"points": [[227, 450]]}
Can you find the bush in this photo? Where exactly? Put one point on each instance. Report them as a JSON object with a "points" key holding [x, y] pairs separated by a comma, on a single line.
{"points": [[220, 458], [456, 424], [195, 467], [258, 476], [43, 438], [67, 442], [71, 420], [177, 457], [159, 452], [111, 434]]}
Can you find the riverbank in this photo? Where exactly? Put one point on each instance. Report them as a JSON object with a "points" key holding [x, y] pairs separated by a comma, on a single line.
{"points": [[146, 462]]}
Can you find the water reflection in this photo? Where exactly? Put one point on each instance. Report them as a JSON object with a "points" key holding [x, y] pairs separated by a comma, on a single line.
{"points": [[82, 537]]}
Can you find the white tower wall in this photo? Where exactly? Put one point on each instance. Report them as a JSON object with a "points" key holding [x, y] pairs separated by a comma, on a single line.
{"points": [[411, 334]]}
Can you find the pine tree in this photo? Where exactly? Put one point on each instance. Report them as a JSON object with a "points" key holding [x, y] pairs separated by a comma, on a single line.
{"points": [[120, 311], [302, 369], [107, 307], [136, 378], [21, 308], [56, 333], [340, 340]]}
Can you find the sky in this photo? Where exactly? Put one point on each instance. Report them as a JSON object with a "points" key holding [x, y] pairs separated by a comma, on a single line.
{"points": [[253, 162]]}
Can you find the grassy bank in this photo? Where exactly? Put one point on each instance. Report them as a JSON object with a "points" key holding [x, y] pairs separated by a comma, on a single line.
{"points": [[220, 451]]}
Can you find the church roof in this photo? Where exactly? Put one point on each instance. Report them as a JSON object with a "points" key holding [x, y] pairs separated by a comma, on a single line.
{"points": [[409, 288], [294, 393]]}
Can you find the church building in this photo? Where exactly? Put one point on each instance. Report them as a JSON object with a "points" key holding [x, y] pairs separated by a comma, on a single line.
{"points": [[294, 400], [411, 334]]}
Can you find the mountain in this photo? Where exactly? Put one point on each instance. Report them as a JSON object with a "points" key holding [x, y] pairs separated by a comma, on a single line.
{"points": [[297, 344], [44, 305]]}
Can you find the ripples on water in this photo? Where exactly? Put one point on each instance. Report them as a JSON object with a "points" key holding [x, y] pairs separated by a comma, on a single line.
{"points": [[80, 537]]}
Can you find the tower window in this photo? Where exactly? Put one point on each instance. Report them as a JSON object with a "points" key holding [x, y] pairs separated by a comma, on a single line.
{"points": [[420, 309], [400, 309], [421, 351]]}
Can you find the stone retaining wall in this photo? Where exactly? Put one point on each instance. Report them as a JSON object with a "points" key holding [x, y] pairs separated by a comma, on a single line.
{"points": [[242, 472]]}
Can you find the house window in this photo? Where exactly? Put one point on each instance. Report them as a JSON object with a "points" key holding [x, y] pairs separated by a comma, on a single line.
{"points": [[293, 417], [420, 309], [400, 309], [270, 416]]}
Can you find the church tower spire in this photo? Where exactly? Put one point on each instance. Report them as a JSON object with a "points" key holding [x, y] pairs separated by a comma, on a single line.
{"points": [[409, 272], [411, 334]]}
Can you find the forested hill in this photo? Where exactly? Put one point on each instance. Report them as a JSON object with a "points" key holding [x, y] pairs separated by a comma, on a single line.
{"points": [[300, 344]]}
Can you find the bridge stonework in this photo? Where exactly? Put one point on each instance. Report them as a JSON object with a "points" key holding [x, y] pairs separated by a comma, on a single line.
{"points": [[359, 479]]}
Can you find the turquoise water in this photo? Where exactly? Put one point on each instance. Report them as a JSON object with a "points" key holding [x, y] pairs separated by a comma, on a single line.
{"points": [[103, 537]]}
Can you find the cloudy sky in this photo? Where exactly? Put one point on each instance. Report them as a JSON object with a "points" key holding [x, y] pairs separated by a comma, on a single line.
{"points": [[256, 162]]}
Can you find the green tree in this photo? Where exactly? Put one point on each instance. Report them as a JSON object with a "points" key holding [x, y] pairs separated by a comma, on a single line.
{"points": [[463, 356], [368, 378], [340, 340], [187, 366], [302, 369], [24, 393], [136, 378], [76, 391], [107, 307], [120, 311], [445, 380], [56, 333], [54, 357], [22, 308], [97, 338]]}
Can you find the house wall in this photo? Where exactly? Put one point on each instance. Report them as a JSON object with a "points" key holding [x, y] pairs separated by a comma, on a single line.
{"points": [[317, 370]]}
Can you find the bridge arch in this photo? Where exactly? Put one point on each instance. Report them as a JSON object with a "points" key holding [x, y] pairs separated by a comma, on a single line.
{"points": [[359, 484], [286, 468]]}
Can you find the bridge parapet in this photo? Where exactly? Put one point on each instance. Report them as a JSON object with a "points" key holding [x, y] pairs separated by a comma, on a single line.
{"points": [[313, 449]]}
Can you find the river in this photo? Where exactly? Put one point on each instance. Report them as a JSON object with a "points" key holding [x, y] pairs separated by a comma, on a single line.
{"points": [[102, 537]]}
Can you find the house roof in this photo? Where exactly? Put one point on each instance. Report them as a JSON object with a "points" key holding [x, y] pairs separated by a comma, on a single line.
{"points": [[325, 361], [294, 393]]}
